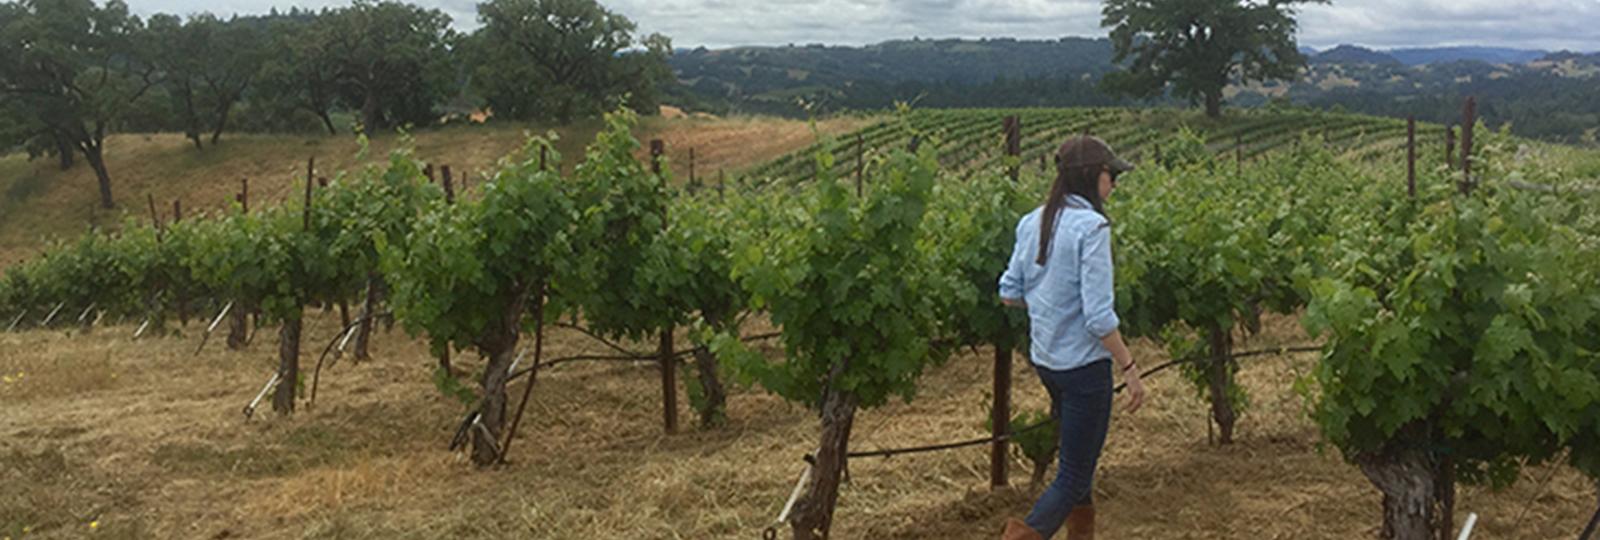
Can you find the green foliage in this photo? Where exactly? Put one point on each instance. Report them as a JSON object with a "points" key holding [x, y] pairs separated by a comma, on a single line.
{"points": [[1198, 47], [967, 236], [1186, 150], [844, 279], [464, 271], [563, 59], [1473, 338], [622, 205]]}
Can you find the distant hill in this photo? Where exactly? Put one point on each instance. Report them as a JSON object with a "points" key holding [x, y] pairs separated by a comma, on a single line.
{"points": [[1541, 94], [777, 79], [1352, 54], [1492, 55]]}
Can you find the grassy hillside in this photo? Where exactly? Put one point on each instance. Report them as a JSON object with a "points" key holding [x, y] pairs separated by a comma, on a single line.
{"points": [[39, 202]]}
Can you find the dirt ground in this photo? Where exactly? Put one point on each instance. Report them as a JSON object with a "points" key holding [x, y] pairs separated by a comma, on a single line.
{"points": [[102, 436]]}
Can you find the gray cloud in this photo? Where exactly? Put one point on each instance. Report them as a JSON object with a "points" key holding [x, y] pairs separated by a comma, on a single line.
{"points": [[1544, 24]]}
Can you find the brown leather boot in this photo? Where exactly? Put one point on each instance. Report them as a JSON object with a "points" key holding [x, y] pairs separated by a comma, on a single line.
{"points": [[1017, 530], [1080, 523]]}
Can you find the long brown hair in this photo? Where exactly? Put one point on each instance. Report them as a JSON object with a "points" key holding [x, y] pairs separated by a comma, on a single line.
{"points": [[1072, 178]]}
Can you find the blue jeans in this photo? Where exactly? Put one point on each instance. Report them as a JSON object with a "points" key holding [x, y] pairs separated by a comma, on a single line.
{"points": [[1080, 401]]}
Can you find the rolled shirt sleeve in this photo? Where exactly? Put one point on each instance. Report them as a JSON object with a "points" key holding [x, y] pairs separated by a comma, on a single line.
{"points": [[1011, 282], [1095, 274]]}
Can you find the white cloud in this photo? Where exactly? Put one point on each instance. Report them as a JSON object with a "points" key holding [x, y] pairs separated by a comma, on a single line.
{"points": [[1544, 24]]}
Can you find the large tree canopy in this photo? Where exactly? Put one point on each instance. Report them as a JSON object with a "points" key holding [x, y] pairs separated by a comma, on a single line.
{"points": [[563, 59], [66, 67], [204, 88], [393, 60], [1198, 46]]}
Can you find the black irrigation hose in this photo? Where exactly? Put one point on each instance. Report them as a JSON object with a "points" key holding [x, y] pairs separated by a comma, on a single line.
{"points": [[316, 375], [1008, 436], [1594, 523], [627, 357]]}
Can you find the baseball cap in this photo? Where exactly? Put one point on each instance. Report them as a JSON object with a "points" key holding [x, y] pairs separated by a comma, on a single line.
{"points": [[1087, 150]]}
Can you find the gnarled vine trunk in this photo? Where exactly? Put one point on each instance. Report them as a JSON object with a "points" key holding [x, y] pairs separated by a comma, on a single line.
{"points": [[288, 365], [813, 512], [714, 398], [1219, 375], [1407, 476], [499, 347], [364, 326], [238, 327], [492, 417]]}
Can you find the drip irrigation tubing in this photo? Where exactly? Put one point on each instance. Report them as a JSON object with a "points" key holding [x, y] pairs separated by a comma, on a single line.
{"points": [[1008, 436]]}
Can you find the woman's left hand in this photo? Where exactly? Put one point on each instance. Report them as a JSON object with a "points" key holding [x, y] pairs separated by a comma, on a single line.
{"points": [[1135, 393]]}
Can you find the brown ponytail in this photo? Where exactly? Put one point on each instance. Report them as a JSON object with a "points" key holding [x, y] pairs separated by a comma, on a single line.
{"points": [[1072, 178]]}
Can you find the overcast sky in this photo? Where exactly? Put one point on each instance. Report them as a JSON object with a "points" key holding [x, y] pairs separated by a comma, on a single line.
{"points": [[1533, 24]]}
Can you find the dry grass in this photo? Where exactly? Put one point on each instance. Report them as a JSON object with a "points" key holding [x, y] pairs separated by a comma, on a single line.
{"points": [[146, 440], [39, 202]]}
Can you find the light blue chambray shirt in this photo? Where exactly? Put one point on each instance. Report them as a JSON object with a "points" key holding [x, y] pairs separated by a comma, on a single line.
{"points": [[1070, 298]]}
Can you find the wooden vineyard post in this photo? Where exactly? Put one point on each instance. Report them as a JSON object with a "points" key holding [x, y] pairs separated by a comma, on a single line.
{"points": [[179, 296], [861, 158], [155, 217], [236, 319], [1013, 128], [1238, 154], [669, 372], [1000, 416], [449, 187], [444, 356], [544, 156], [1411, 156], [427, 170], [916, 142], [691, 167], [1450, 146], [1469, 117]]}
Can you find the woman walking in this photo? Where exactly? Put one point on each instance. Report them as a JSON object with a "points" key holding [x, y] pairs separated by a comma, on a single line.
{"points": [[1060, 271]]}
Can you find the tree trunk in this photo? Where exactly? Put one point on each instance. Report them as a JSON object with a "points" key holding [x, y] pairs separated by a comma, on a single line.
{"points": [[714, 407], [222, 121], [327, 121], [813, 512], [64, 152], [288, 365], [1219, 376], [1214, 104], [369, 114], [92, 153], [364, 326], [1410, 492]]}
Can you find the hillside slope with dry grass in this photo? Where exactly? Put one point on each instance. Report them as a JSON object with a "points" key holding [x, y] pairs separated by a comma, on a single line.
{"points": [[39, 202]]}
